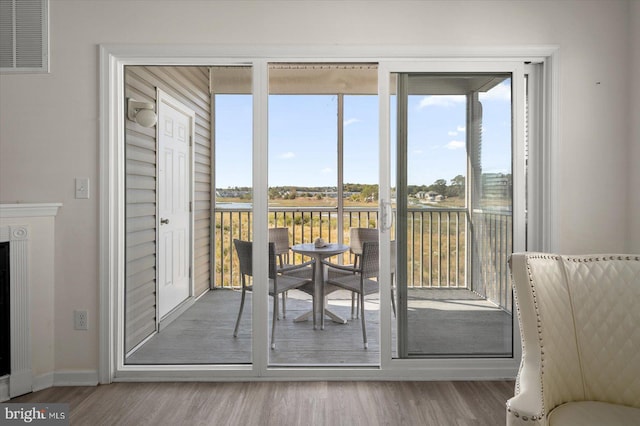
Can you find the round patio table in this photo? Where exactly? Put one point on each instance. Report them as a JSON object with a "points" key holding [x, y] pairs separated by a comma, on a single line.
{"points": [[319, 253]]}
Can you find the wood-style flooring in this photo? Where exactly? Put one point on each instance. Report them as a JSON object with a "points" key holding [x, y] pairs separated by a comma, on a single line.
{"points": [[460, 403]]}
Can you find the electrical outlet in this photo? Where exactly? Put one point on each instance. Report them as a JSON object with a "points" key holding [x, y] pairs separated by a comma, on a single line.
{"points": [[80, 320]]}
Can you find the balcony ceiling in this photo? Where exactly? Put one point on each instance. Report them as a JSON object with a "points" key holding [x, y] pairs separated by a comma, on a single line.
{"points": [[348, 79]]}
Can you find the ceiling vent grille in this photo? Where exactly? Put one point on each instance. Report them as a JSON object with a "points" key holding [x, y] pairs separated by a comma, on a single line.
{"points": [[24, 36]]}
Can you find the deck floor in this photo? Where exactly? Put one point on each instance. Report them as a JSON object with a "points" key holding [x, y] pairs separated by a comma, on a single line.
{"points": [[441, 323]]}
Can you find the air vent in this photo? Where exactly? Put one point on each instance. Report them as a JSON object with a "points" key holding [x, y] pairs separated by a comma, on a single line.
{"points": [[24, 36]]}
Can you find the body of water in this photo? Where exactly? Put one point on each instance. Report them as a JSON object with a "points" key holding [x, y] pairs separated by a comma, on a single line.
{"points": [[233, 206]]}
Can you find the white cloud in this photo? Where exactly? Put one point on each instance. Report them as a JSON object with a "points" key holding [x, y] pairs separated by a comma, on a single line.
{"points": [[351, 121], [417, 151], [442, 100], [459, 129], [287, 155], [502, 92], [455, 145], [327, 170]]}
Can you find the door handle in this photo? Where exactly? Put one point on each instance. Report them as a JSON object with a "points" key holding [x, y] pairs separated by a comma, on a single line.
{"points": [[164, 221], [386, 215]]}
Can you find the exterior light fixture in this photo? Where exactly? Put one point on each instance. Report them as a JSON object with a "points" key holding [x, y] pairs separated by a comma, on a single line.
{"points": [[141, 112]]}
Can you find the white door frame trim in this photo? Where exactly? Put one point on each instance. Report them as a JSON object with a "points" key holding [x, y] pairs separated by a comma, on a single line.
{"points": [[113, 58], [516, 70]]}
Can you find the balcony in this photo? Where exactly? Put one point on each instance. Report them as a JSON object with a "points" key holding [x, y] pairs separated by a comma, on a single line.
{"points": [[437, 250], [450, 312], [455, 257]]}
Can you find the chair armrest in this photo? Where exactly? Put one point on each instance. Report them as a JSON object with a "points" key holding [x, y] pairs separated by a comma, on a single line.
{"points": [[525, 409], [296, 267], [527, 406], [340, 267]]}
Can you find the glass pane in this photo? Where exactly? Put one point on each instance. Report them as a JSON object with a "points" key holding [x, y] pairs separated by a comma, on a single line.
{"points": [[454, 168], [302, 150], [492, 199], [196, 327], [234, 196], [361, 156], [323, 162]]}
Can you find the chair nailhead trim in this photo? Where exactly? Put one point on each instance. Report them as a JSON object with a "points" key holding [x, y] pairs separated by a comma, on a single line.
{"points": [[596, 259], [525, 418]]}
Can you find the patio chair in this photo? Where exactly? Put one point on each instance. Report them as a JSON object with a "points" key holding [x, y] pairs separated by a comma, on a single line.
{"points": [[280, 238], [361, 280], [357, 236], [278, 283]]}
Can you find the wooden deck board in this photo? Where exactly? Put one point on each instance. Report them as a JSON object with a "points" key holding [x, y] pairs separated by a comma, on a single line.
{"points": [[459, 323]]}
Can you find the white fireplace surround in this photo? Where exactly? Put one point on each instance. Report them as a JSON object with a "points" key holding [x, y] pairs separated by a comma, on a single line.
{"points": [[24, 225]]}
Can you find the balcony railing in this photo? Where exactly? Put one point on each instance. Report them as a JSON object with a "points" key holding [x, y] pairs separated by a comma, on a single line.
{"points": [[436, 255], [492, 245], [437, 250]]}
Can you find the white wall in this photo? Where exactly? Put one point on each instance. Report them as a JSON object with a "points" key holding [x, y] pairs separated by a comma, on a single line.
{"points": [[634, 125], [49, 123]]}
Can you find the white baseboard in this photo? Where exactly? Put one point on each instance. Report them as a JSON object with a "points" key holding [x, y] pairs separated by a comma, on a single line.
{"points": [[43, 381], [75, 378], [48, 380]]}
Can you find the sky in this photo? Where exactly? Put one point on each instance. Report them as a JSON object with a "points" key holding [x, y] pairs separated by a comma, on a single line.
{"points": [[303, 138]]}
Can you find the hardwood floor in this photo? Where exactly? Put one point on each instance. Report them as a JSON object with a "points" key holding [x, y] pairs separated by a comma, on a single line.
{"points": [[284, 403]]}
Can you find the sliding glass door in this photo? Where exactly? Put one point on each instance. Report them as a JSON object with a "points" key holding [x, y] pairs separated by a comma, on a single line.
{"points": [[457, 139], [429, 155], [322, 181]]}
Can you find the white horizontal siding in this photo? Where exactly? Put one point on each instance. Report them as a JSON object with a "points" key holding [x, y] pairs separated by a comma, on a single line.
{"points": [[189, 85]]}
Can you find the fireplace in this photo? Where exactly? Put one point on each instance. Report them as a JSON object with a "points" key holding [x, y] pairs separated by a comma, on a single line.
{"points": [[27, 234]]}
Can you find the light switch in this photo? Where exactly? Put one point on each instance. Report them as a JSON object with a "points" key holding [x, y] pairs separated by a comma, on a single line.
{"points": [[82, 188]]}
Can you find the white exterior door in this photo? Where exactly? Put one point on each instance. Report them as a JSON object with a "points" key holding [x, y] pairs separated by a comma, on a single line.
{"points": [[174, 188]]}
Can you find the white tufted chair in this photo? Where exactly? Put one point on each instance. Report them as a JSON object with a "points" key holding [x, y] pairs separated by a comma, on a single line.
{"points": [[580, 326]]}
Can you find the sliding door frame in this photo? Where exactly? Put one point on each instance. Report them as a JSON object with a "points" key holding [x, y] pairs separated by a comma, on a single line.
{"points": [[402, 68], [113, 59]]}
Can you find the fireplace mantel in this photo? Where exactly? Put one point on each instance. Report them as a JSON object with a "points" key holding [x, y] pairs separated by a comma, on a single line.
{"points": [[29, 210], [29, 229]]}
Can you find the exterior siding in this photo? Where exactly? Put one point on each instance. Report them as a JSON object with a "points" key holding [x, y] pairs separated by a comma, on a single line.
{"points": [[189, 85]]}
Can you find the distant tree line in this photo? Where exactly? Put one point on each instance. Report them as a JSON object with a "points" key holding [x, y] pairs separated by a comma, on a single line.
{"points": [[359, 191], [455, 188]]}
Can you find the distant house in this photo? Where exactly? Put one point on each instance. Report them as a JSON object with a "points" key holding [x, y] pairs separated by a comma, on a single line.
{"points": [[429, 196]]}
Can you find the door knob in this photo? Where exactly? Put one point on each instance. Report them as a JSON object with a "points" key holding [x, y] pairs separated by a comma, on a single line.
{"points": [[164, 221]]}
